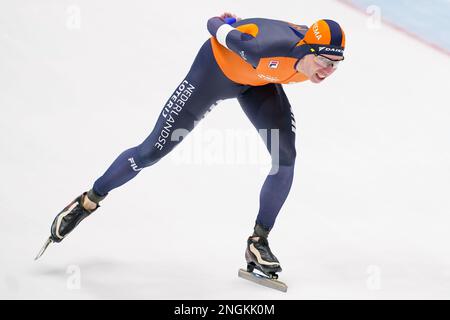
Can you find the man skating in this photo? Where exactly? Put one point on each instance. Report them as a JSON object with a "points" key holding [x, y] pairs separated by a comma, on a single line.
{"points": [[249, 60]]}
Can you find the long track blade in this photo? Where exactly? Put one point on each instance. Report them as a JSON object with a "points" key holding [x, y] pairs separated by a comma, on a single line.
{"points": [[44, 247], [262, 280]]}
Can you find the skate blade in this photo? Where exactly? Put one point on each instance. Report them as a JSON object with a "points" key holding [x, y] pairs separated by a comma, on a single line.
{"points": [[44, 247], [262, 280]]}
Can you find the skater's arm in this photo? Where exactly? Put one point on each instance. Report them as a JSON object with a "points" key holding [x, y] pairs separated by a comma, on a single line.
{"points": [[239, 42]]}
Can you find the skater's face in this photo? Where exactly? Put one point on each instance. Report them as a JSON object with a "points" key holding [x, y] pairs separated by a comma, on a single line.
{"points": [[318, 67]]}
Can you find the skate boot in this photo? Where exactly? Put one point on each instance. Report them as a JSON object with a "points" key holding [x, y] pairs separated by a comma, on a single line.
{"points": [[259, 256], [69, 218]]}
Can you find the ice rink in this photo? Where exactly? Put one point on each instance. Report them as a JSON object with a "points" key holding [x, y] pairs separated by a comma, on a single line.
{"points": [[368, 216]]}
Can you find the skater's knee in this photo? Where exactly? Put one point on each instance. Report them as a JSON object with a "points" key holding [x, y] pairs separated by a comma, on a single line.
{"points": [[146, 156], [286, 157], [284, 162]]}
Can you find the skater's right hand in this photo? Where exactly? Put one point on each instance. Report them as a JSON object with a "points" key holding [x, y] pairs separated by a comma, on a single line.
{"points": [[216, 22], [227, 15]]}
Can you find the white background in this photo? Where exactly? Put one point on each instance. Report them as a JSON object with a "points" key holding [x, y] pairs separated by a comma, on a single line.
{"points": [[81, 81]]}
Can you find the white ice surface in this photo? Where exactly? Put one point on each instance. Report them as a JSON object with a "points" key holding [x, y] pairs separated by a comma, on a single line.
{"points": [[369, 213]]}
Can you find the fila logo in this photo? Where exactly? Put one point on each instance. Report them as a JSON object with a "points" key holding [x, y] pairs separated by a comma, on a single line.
{"points": [[331, 49], [134, 165], [273, 64]]}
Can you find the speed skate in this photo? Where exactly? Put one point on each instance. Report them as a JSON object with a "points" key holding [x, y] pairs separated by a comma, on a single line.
{"points": [[259, 257]]}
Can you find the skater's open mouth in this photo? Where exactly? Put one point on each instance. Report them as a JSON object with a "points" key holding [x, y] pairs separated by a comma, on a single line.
{"points": [[319, 76]]}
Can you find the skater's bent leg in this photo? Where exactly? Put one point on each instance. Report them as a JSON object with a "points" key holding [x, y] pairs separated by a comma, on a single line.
{"points": [[273, 195], [269, 110], [277, 185]]}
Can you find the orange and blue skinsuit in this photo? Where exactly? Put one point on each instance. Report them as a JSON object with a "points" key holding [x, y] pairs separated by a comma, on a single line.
{"points": [[248, 60], [261, 51]]}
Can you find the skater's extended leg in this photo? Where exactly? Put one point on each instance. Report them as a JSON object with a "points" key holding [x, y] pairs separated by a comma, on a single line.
{"points": [[130, 162], [204, 85]]}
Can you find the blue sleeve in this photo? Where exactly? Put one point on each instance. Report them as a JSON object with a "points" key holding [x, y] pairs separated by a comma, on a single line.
{"points": [[243, 44], [214, 24]]}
